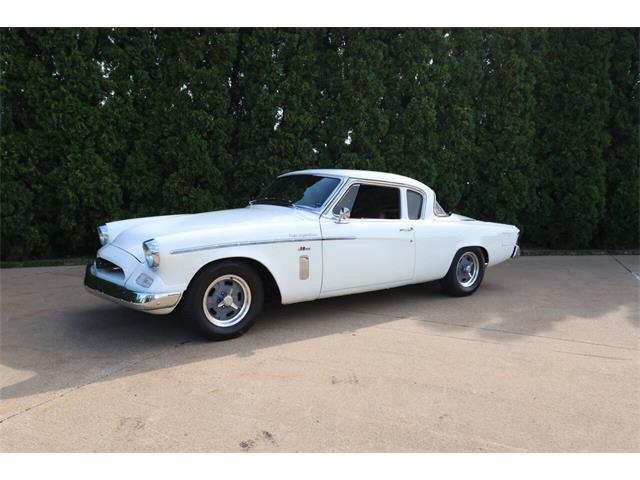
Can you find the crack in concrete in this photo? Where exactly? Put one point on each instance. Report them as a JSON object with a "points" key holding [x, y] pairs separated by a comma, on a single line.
{"points": [[496, 330], [636, 275], [593, 355]]}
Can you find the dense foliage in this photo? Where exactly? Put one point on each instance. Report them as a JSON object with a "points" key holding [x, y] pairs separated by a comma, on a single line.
{"points": [[537, 127]]}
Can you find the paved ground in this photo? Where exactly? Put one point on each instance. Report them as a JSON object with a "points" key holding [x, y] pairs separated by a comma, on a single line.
{"points": [[544, 357]]}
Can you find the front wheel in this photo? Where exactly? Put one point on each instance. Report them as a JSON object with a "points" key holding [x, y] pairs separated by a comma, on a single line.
{"points": [[223, 300], [465, 274]]}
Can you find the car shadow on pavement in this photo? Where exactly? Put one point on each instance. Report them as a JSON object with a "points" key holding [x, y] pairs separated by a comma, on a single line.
{"points": [[93, 341]]}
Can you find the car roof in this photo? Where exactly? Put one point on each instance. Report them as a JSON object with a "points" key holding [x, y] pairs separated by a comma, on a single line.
{"points": [[364, 175]]}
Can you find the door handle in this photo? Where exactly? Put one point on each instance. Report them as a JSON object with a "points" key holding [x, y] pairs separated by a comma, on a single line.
{"points": [[406, 229]]}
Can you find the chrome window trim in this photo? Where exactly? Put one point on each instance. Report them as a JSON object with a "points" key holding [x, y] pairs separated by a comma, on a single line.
{"points": [[328, 212]]}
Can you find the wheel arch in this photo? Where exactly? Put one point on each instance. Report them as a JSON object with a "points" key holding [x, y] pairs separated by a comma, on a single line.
{"points": [[268, 280], [452, 284], [485, 252]]}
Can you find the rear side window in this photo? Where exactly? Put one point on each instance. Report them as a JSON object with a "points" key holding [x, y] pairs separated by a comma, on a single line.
{"points": [[414, 205], [371, 201]]}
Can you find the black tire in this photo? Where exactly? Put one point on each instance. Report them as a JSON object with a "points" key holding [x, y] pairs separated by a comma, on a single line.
{"points": [[193, 308], [451, 283]]}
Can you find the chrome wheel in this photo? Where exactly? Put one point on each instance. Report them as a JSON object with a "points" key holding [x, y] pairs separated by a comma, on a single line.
{"points": [[227, 300], [467, 269]]}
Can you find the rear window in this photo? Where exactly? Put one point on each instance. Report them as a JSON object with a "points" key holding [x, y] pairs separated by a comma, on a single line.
{"points": [[438, 210]]}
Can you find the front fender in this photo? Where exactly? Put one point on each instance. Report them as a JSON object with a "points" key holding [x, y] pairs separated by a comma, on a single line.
{"points": [[295, 265]]}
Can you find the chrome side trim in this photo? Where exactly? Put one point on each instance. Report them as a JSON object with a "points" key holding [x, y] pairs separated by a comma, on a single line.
{"points": [[129, 298], [214, 246], [240, 244], [338, 238]]}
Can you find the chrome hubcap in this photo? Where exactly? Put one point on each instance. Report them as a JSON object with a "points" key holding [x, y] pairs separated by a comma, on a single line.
{"points": [[467, 269], [227, 300]]}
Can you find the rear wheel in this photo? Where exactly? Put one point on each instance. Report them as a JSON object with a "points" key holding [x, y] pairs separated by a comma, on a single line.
{"points": [[224, 300], [465, 274]]}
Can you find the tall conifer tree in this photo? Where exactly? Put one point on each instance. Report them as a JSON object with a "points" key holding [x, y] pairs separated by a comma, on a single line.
{"points": [[505, 168], [619, 227], [571, 137]]}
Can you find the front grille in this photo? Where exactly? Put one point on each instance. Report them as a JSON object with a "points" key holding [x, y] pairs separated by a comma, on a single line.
{"points": [[103, 264]]}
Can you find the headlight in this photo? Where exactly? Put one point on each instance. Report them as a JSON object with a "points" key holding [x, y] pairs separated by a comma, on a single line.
{"points": [[103, 234], [151, 253]]}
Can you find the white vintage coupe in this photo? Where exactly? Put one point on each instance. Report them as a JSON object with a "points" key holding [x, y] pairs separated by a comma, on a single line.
{"points": [[311, 234]]}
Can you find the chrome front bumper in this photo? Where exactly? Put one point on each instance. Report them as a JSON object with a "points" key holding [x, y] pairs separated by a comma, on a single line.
{"points": [[516, 252], [129, 298]]}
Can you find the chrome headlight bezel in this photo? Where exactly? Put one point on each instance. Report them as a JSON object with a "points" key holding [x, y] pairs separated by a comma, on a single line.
{"points": [[103, 234], [151, 253]]}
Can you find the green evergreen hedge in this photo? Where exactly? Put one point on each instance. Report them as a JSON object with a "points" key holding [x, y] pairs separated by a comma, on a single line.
{"points": [[536, 127]]}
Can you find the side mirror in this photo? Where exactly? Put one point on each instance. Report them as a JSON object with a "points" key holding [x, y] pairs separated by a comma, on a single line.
{"points": [[343, 216]]}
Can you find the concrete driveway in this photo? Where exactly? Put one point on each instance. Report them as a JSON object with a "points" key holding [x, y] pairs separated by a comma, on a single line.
{"points": [[544, 357]]}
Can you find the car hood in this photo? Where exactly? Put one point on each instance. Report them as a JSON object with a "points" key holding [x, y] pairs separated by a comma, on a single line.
{"points": [[180, 231]]}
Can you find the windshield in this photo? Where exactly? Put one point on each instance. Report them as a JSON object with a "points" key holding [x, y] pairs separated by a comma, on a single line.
{"points": [[309, 191]]}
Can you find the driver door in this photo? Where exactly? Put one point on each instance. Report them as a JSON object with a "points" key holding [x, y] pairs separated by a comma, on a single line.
{"points": [[373, 248]]}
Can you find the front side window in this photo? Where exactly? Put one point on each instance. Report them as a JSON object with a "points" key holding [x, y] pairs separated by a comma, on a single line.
{"points": [[414, 205], [298, 190], [371, 201]]}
